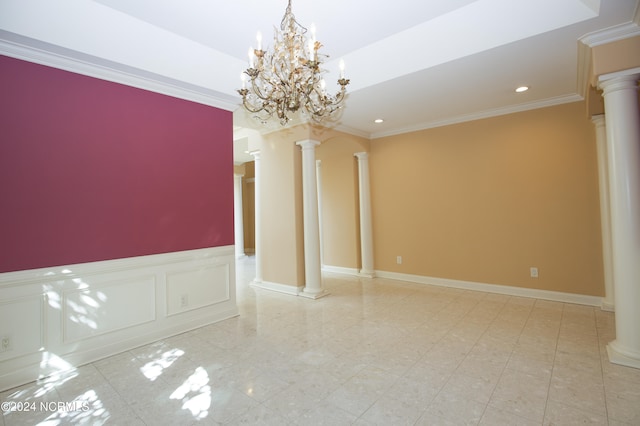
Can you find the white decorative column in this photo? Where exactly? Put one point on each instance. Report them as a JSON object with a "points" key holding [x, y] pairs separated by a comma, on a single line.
{"points": [[605, 218], [319, 189], [258, 217], [312, 273], [238, 228], [366, 226], [623, 141]]}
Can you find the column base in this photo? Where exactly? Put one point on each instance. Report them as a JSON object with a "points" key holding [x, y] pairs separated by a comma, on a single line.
{"points": [[314, 295], [366, 274], [618, 356], [280, 288]]}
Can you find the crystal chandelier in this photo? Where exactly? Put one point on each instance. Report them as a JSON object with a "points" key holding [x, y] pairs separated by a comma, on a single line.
{"points": [[289, 78]]}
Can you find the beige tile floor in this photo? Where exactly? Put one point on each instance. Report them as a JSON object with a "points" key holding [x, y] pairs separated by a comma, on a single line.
{"points": [[374, 352]]}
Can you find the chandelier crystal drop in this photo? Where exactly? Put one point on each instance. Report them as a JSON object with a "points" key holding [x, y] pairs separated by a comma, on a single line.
{"points": [[289, 79]]}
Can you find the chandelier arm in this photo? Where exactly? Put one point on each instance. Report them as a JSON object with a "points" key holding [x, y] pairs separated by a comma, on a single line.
{"points": [[258, 92], [282, 76], [289, 88], [250, 107], [264, 106], [259, 96], [279, 74], [319, 111], [339, 97], [341, 93], [314, 109]]}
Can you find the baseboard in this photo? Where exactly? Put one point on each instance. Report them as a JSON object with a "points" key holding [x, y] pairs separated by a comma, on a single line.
{"points": [[340, 270], [63, 317], [607, 306], [494, 288]]}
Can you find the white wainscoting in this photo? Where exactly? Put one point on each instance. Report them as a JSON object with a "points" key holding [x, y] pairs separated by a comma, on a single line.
{"points": [[54, 319]]}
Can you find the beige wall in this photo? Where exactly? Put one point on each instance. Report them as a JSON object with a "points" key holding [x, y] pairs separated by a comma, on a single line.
{"points": [[481, 201], [340, 210], [247, 171], [282, 215], [484, 201], [248, 207], [608, 58], [616, 56], [282, 250]]}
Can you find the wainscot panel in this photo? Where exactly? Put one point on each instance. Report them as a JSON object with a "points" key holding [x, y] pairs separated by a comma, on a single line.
{"points": [[53, 320], [186, 290]]}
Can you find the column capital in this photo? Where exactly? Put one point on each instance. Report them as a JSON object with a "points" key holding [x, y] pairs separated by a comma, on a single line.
{"points": [[255, 154], [622, 80], [307, 144], [361, 155]]}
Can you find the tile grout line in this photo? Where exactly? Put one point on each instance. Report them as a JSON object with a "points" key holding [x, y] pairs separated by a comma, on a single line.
{"points": [[510, 355]]}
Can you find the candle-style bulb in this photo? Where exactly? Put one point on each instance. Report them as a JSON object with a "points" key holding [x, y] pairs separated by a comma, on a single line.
{"points": [[341, 68], [259, 38], [243, 78], [250, 57], [311, 47]]}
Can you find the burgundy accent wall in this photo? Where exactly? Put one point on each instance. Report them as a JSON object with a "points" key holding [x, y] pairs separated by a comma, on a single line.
{"points": [[92, 170]]}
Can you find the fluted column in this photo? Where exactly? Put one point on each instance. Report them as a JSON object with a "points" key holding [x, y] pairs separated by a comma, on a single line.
{"points": [[238, 228], [258, 217], [366, 226], [312, 271], [319, 189], [623, 141], [605, 218]]}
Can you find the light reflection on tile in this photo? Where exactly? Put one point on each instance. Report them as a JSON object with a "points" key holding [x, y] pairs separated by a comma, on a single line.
{"points": [[376, 351]]}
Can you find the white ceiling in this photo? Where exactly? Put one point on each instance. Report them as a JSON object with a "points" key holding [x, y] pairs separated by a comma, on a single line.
{"points": [[417, 64]]}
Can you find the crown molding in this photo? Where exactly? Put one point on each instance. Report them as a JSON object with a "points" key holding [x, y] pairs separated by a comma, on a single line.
{"points": [[76, 62], [608, 35], [483, 114], [352, 131], [454, 120], [584, 69]]}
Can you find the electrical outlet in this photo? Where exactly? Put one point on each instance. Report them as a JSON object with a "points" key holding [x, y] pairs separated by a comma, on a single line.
{"points": [[184, 301], [534, 272], [399, 260], [5, 343]]}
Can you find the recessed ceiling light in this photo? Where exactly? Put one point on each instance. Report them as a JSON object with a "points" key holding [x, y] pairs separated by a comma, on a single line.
{"points": [[522, 89], [378, 120]]}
